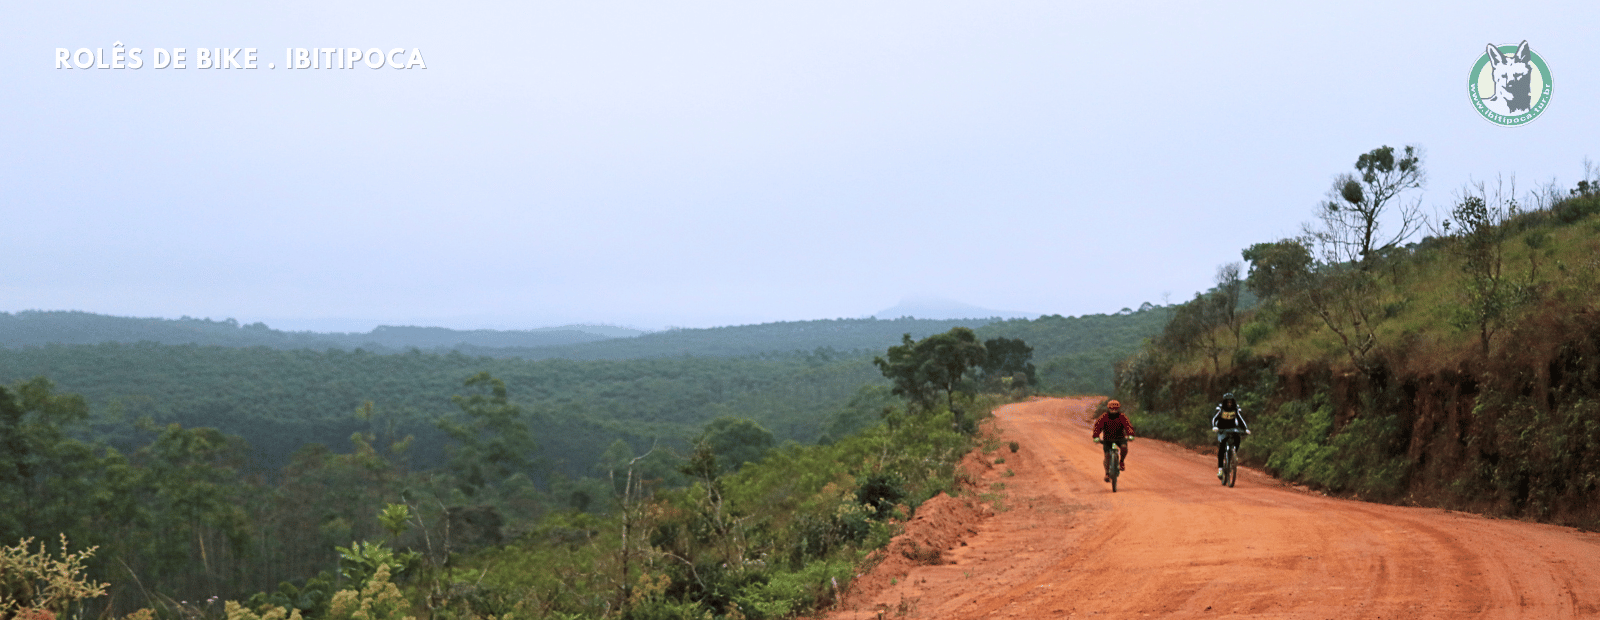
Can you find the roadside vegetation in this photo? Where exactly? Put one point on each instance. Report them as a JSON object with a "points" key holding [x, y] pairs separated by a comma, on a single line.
{"points": [[1461, 371]]}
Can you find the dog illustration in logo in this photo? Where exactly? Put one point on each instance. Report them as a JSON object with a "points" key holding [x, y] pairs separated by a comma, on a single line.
{"points": [[1511, 83]]}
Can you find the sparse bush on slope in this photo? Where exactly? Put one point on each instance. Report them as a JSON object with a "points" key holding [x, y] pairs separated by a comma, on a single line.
{"points": [[1467, 374]]}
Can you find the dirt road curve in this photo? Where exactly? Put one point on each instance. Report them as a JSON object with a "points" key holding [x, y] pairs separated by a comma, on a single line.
{"points": [[1173, 543]]}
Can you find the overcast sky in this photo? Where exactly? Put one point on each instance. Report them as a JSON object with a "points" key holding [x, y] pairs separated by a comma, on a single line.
{"points": [[712, 163]]}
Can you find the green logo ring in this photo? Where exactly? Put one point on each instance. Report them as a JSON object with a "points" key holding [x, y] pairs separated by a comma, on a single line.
{"points": [[1534, 110]]}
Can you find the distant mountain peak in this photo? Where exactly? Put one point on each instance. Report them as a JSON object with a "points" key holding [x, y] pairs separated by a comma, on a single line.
{"points": [[938, 308]]}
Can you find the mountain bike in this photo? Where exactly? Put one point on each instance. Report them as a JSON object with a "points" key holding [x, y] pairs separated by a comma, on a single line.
{"points": [[1112, 462], [1230, 458]]}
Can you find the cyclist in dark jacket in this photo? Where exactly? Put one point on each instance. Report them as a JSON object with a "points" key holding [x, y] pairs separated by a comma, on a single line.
{"points": [[1117, 432], [1229, 416]]}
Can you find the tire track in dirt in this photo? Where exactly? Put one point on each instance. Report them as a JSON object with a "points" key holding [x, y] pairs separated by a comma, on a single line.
{"points": [[1174, 543]]}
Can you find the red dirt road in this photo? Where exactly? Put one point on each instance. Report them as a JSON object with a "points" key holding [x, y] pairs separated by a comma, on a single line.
{"points": [[1173, 543]]}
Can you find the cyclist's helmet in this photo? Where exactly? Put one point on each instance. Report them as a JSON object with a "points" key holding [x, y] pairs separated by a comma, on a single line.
{"points": [[1114, 407], [1229, 405]]}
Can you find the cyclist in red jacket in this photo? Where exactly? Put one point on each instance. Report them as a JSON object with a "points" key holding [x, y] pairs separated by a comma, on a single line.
{"points": [[1118, 430]]}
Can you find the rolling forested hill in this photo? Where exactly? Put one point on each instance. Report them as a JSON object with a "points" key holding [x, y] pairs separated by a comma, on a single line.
{"points": [[37, 328], [34, 327], [840, 335], [794, 378], [1052, 336], [1075, 355]]}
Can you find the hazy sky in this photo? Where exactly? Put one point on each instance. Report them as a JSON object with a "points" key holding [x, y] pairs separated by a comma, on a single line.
{"points": [[708, 163]]}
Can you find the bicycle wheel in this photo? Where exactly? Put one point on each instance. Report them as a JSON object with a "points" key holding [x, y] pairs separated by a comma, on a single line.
{"points": [[1115, 469], [1233, 468]]}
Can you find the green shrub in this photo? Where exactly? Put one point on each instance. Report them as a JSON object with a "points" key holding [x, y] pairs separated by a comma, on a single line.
{"points": [[312, 599], [1367, 459], [361, 560], [788, 593], [1294, 441], [1576, 208], [1299, 444], [650, 601], [881, 491], [1255, 331]]}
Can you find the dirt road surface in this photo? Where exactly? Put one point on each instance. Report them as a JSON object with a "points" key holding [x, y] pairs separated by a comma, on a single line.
{"points": [[1173, 543]]}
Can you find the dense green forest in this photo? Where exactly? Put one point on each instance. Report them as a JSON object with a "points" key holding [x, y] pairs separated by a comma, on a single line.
{"points": [[1461, 371], [280, 400], [727, 523]]}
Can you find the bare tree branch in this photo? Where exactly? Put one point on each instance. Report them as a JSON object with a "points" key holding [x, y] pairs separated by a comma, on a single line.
{"points": [[1352, 217]]}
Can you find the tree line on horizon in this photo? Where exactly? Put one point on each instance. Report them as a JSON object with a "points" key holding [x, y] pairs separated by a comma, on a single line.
{"points": [[1056, 335]]}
